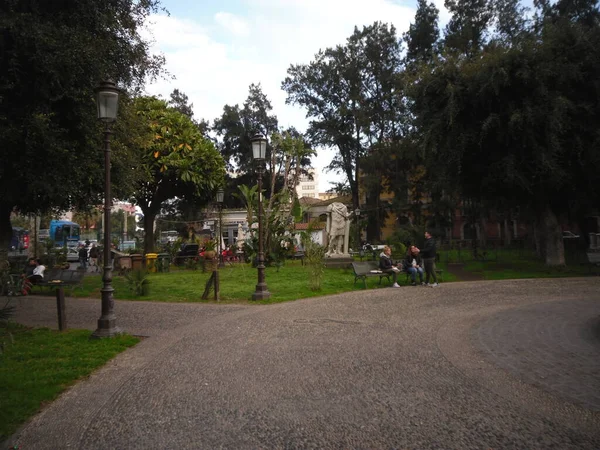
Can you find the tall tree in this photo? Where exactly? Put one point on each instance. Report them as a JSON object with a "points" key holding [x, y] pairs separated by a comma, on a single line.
{"points": [[520, 124], [423, 35], [349, 94], [180, 102], [236, 127], [510, 20], [174, 161], [52, 55], [467, 30]]}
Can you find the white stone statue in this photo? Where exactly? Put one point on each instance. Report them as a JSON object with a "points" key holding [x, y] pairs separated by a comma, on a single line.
{"points": [[241, 238], [338, 229]]}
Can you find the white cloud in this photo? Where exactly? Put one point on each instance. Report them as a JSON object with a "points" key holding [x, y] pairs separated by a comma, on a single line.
{"points": [[216, 58], [233, 24]]}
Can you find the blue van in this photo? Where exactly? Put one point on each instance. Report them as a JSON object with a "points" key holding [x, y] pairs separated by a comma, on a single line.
{"points": [[64, 232]]}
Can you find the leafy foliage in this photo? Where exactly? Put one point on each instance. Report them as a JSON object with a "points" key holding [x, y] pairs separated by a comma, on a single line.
{"points": [[174, 160], [52, 55], [138, 282], [349, 93], [513, 126]]}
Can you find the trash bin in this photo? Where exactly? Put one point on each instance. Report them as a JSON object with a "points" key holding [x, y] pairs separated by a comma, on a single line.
{"points": [[151, 261], [125, 263], [137, 261], [163, 262]]}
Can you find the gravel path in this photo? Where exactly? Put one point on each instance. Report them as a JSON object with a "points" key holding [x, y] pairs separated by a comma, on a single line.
{"points": [[482, 365]]}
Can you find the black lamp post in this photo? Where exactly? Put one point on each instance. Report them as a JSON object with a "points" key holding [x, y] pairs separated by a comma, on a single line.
{"points": [[259, 153], [220, 198], [107, 99], [357, 214]]}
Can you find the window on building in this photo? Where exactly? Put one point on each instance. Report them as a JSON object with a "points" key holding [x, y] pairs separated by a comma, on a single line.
{"points": [[308, 187]]}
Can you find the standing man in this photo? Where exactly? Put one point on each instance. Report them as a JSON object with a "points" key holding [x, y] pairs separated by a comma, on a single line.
{"points": [[83, 256], [428, 255], [94, 256]]}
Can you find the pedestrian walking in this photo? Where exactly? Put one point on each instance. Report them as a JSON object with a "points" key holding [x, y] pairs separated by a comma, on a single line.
{"points": [[94, 257], [83, 257]]}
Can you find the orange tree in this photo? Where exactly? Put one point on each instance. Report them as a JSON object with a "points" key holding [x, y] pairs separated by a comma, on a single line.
{"points": [[173, 160]]}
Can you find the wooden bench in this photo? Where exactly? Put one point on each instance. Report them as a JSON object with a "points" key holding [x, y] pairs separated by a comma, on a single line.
{"points": [[364, 269], [61, 278], [298, 255]]}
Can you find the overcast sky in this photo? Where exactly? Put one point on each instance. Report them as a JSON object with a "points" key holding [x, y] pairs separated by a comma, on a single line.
{"points": [[215, 50]]}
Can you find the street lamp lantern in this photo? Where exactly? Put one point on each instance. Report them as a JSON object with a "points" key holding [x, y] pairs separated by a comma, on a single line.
{"points": [[259, 153], [107, 100], [259, 147], [220, 196], [108, 104]]}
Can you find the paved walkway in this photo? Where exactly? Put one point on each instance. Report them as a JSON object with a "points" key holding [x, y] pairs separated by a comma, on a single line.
{"points": [[483, 365]]}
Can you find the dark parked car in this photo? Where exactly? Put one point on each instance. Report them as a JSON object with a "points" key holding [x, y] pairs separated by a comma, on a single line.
{"points": [[187, 251]]}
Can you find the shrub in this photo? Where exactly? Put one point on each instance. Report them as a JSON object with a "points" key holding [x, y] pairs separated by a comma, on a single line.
{"points": [[138, 282], [314, 254]]}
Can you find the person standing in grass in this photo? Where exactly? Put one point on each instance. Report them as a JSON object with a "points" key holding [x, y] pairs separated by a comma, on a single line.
{"points": [[387, 266], [428, 254]]}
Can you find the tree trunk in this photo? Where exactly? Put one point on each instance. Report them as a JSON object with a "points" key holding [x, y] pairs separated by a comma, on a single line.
{"points": [[538, 240], [5, 233], [551, 232], [507, 240], [482, 232], [149, 231]]}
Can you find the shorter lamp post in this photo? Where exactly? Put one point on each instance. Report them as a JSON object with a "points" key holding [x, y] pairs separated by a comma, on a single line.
{"points": [[357, 214], [108, 105], [259, 153], [220, 199]]}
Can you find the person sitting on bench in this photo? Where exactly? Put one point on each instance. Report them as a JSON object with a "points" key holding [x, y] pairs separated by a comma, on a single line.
{"points": [[414, 264], [386, 265], [38, 271]]}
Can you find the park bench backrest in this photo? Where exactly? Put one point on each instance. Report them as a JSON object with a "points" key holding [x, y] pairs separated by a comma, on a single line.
{"points": [[52, 274], [594, 258], [74, 276], [364, 267]]}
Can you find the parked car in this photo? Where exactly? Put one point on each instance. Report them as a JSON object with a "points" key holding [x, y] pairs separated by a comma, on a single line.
{"points": [[20, 240], [187, 251], [72, 254], [569, 235]]}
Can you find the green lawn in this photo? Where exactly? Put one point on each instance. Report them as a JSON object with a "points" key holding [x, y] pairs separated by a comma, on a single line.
{"points": [[291, 282], [38, 364], [513, 264]]}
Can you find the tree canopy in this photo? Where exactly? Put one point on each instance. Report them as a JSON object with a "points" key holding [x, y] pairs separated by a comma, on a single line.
{"points": [[52, 55], [173, 159], [518, 124]]}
